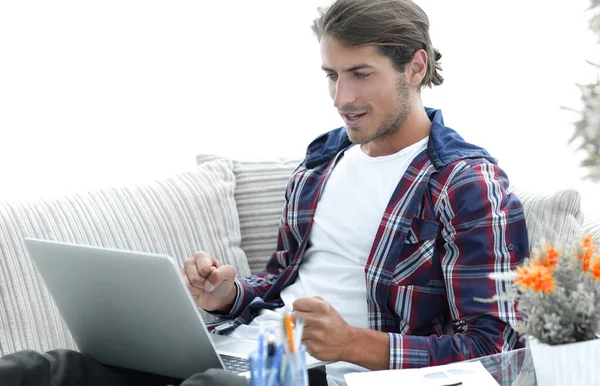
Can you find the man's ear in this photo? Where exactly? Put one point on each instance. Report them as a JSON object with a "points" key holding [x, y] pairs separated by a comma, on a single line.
{"points": [[417, 68]]}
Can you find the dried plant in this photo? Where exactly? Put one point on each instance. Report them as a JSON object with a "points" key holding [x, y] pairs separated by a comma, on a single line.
{"points": [[587, 128], [557, 292]]}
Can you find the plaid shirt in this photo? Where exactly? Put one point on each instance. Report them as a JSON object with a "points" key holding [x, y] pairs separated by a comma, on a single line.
{"points": [[451, 222]]}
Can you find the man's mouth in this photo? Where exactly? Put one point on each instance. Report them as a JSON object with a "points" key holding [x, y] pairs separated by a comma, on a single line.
{"points": [[353, 119]]}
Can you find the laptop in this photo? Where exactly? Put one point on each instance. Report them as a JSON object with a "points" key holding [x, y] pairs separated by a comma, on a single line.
{"points": [[133, 310]]}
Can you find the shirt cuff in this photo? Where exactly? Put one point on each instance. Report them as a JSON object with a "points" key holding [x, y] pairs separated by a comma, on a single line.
{"points": [[408, 351]]}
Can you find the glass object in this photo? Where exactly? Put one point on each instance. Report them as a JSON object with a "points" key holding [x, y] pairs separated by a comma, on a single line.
{"points": [[287, 369], [510, 368]]}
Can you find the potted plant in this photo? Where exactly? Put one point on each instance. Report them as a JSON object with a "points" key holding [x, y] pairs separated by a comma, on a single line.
{"points": [[558, 294]]}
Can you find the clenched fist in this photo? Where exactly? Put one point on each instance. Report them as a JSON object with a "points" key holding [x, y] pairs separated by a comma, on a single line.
{"points": [[210, 282]]}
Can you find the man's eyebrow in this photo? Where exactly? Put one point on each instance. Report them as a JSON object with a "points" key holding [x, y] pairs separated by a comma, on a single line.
{"points": [[361, 66]]}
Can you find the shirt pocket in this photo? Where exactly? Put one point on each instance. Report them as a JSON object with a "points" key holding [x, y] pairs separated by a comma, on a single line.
{"points": [[416, 258]]}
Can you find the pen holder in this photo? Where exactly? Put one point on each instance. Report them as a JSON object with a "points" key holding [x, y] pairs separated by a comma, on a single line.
{"points": [[285, 369]]}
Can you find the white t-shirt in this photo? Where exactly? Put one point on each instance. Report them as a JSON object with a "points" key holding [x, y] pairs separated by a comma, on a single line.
{"points": [[345, 224]]}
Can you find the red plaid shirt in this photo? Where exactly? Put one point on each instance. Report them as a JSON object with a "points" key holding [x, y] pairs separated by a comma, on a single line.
{"points": [[451, 222]]}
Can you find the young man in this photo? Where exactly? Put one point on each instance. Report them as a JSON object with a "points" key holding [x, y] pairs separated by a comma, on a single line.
{"points": [[392, 223]]}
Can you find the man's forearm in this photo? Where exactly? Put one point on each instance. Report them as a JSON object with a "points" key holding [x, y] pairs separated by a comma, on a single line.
{"points": [[368, 348]]}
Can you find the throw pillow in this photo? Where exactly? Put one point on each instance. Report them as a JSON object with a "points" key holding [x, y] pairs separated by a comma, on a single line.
{"points": [[260, 197], [553, 217]]}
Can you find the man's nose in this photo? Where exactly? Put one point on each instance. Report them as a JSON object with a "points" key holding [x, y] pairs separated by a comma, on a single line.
{"points": [[343, 94]]}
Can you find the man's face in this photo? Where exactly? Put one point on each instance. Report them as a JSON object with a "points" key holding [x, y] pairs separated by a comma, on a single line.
{"points": [[372, 97]]}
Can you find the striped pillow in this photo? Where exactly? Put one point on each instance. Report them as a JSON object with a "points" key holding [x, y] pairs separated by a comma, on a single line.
{"points": [[554, 217], [260, 197], [176, 216], [591, 224]]}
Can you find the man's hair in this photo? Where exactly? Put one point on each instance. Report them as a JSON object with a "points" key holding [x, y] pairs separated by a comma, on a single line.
{"points": [[398, 28]]}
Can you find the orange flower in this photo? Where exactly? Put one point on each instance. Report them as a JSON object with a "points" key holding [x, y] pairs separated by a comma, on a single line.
{"points": [[550, 256], [595, 268], [536, 276], [587, 250]]}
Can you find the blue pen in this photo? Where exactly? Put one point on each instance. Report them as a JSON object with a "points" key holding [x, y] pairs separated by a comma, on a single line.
{"points": [[283, 369], [254, 380], [261, 354], [274, 374]]}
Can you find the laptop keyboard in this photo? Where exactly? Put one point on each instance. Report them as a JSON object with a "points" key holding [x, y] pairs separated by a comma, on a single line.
{"points": [[235, 364]]}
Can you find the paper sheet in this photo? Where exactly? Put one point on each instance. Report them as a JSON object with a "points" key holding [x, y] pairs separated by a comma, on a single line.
{"points": [[469, 373]]}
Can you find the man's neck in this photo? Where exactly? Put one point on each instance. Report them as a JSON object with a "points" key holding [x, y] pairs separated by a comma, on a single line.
{"points": [[416, 127]]}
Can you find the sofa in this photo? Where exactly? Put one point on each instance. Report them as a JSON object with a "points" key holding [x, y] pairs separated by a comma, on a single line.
{"points": [[229, 207]]}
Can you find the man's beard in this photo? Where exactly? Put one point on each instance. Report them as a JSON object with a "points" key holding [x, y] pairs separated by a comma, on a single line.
{"points": [[392, 123]]}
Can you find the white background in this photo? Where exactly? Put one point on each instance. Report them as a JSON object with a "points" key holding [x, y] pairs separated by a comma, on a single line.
{"points": [[98, 94]]}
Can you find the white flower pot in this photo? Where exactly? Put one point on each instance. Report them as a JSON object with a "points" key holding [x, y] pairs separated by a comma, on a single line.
{"points": [[574, 364]]}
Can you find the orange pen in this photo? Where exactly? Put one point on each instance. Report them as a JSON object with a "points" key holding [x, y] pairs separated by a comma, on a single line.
{"points": [[289, 331]]}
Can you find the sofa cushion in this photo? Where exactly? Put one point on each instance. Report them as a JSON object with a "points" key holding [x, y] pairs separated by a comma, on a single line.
{"points": [[591, 224], [260, 197], [555, 217], [176, 216]]}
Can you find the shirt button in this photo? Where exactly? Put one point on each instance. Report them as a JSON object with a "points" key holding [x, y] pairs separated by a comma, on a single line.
{"points": [[511, 247]]}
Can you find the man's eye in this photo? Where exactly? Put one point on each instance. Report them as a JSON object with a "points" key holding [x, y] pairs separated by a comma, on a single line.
{"points": [[362, 75], [331, 75]]}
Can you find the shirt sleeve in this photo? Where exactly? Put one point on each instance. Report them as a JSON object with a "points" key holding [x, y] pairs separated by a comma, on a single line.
{"points": [[483, 232]]}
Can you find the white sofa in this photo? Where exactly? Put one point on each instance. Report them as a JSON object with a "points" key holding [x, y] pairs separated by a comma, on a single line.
{"points": [[228, 207]]}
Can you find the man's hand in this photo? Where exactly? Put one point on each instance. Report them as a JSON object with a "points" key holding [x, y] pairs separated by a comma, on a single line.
{"points": [[326, 336], [210, 283]]}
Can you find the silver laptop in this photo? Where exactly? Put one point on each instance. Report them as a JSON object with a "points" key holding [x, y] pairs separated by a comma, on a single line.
{"points": [[133, 310]]}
